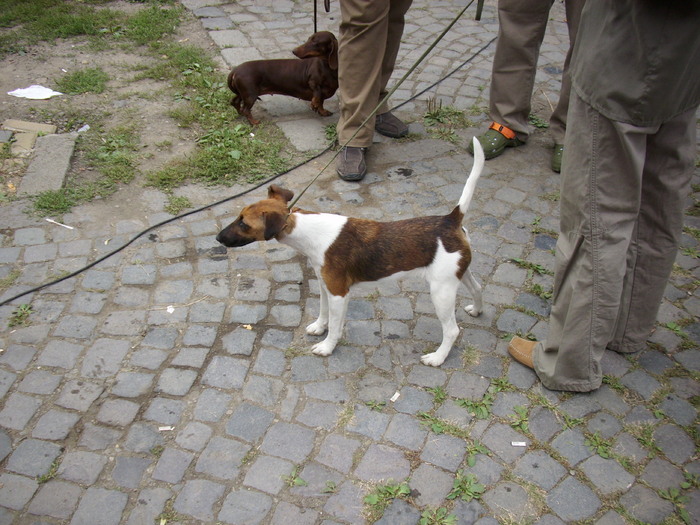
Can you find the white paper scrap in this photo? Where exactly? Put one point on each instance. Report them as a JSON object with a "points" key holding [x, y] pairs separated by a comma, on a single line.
{"points": [[518, 443], [395, 397], [166, 429], [34, 92]]}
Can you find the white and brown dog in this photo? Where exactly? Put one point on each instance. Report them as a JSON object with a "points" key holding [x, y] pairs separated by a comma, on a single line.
{"points": [[344, 251]]}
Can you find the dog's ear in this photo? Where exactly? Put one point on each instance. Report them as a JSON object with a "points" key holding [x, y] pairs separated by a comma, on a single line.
{"points": [[275, 192], [274, 224], [333, 55]]}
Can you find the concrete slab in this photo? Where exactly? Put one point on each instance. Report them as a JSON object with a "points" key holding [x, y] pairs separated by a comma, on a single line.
{"points": [[306, 134], [49, 165], [23, 125]]}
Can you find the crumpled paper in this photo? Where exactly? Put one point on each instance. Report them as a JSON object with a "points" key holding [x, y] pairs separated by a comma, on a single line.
{"points": [[34, 92]]}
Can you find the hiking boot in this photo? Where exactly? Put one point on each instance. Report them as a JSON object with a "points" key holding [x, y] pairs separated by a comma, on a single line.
{"points": [[390, 126], [495, 141], [351, 164]]}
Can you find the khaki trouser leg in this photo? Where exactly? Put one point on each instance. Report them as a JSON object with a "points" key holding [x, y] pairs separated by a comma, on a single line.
{"points": [[522, 24], [620, 203], [370, 35], [557, 122]]}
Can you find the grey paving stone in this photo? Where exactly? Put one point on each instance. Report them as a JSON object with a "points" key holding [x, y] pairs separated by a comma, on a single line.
{"points": [[164, 410], [129, 470], [211, 405], [319, 415], [679, 410], [543, 424], [289, 441], [163, 337], [138, 274], [249, 422], [469, 512], [132, 384], [99, 280], [368, 422], [6, 381], [245, 506], [171, 465], [572, 500], [674, 442], [270, 362], [399, 512], [539, 468], [81, 467], [286, 513], [17, 357], [316, 481], [149, 358], [76, 327], [55, 425], [499, 438], [604, 425], [103, 359], [467, 386], [406, 431], [16, 491], [18, 410], [88, 303], [662, 475], [197, 498], [570, 444], [382, 462], [175, 381], [91, 510], [199, 335], [267, 474], [308, 368], [240, 341], [226, 372], [5, 445], [149, 505], [207, 312], [142, 437], [509, 500], [97, 437], [607, 475], [645, 505], [33, 457], [57, 499], [413, 401], [194, 436], [118, 412], [192, 357], [641, 383], [337, 452], [432, 485], [252, 289], [222, 458], [277, 338], [346, 504]]}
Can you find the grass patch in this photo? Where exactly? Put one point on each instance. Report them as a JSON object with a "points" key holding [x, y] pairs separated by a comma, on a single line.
{"points": [[20, 317], [442, 122], [177, 204], [90, 80]]}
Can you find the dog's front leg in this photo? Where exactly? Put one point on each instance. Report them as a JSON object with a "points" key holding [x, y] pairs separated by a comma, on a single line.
{"points": [[318, 327], [443, 294], [337, 308]]}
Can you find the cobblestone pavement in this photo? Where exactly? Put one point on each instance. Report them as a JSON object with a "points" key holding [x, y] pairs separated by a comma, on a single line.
{"points": [[173, 380]]}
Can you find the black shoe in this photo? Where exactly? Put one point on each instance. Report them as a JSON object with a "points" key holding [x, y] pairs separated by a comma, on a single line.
{"points": [[390, 126], [351, 164]]}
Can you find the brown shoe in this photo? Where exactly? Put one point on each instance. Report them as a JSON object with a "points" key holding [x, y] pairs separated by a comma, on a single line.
{"points": [[351, 164], [389, 125], [521, 350]]}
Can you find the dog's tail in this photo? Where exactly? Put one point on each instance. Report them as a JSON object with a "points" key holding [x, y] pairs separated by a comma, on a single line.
{"points": [[470, 185]]}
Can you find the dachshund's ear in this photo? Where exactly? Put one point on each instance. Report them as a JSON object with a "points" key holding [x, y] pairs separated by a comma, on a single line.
{"points": [[333, 55], [275, 192], [274, 224]]}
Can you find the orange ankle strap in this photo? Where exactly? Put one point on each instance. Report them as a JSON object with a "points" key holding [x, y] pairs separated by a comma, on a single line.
{"points": [[503, 130]]}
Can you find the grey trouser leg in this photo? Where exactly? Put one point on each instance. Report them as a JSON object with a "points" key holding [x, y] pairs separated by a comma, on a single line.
{"points": [[370, 35], [522, 25], [622, 197]]}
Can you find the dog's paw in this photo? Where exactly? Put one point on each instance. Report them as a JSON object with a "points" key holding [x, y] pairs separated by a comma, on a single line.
{"points": [[434, 359], [472, 310], [316, 328], [323, 348]]}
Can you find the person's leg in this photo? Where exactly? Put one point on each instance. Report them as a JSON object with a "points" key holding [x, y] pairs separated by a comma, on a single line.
{"points": [[668, 168], [361, 48], [397, 12], [600, 201], [557, 122], [522, 24]]}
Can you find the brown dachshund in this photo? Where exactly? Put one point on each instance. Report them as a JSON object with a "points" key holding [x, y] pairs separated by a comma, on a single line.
{"points": [[314, 77]]}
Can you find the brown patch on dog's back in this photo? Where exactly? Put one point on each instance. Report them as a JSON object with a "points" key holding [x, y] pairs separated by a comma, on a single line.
{"points": [[367, 250]]}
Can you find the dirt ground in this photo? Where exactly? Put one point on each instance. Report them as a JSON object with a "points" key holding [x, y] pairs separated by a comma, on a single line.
{"points": [[144, 104]]}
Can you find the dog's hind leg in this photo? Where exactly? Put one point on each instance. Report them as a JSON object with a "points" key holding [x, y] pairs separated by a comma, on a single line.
{"points": [[337, 308], [444, 295], [475, 290]]}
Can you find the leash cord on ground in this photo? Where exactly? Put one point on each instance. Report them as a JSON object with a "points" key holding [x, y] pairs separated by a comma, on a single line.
{"points": [[227, 199]]}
